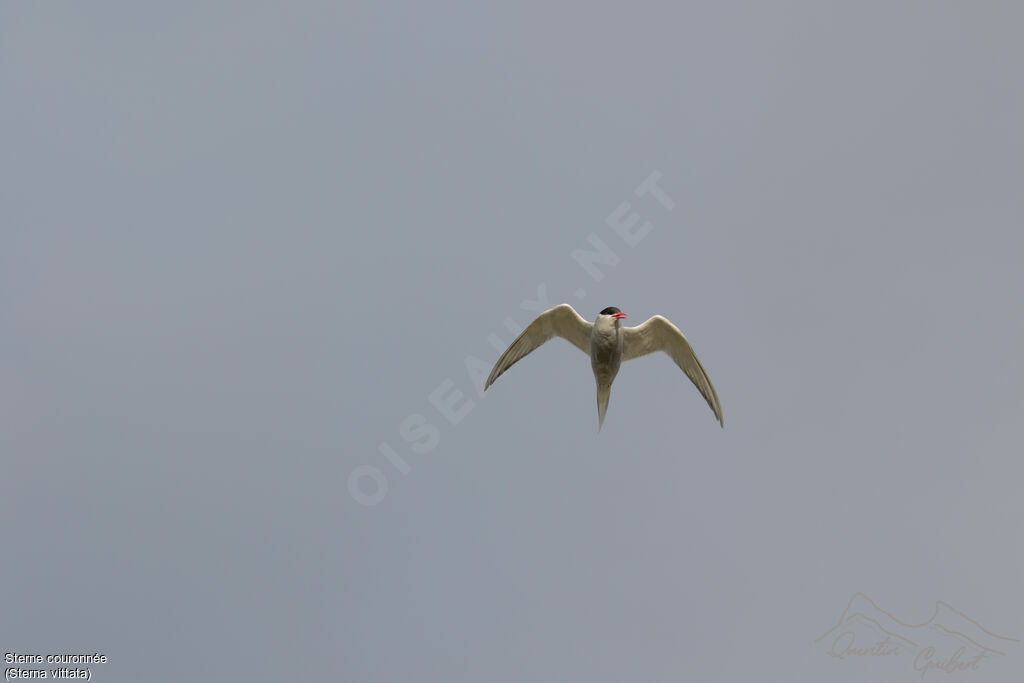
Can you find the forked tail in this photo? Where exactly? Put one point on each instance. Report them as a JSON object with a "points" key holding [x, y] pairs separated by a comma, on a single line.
{"points": [[604, 391]]}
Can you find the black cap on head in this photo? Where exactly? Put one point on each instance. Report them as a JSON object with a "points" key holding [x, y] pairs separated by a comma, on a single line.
{"points": [[611, 310]]}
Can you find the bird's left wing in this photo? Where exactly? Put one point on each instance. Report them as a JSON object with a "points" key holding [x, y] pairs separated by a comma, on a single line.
{"points": [[658, 334], [562, 321]]}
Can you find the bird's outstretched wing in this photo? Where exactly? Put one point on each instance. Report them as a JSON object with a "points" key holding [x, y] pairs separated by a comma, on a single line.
{"points": [[562, 321], [658, 334]]}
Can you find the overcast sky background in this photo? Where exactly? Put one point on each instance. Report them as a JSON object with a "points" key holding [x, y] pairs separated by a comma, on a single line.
{"points": [[243, 243]]}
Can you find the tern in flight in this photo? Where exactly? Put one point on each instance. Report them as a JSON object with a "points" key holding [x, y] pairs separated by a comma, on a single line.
{"points": [[608, 343]]}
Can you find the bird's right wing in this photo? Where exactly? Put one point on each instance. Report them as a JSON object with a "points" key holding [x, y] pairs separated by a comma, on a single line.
{"points": [[562, 321]]}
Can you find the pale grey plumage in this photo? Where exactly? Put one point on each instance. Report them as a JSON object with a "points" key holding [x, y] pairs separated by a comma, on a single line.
{"points": [[659, 334], [561, 320], [608, 343]]}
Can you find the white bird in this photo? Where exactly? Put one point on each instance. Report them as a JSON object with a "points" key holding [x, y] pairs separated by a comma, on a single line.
{"points": [[608, 343]]}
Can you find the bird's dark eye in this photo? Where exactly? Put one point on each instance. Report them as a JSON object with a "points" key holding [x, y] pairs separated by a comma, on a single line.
{"points": [[611, 310]]}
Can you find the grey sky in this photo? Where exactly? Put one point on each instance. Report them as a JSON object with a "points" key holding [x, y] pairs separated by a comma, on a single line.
{"points": [[242, 243]]}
